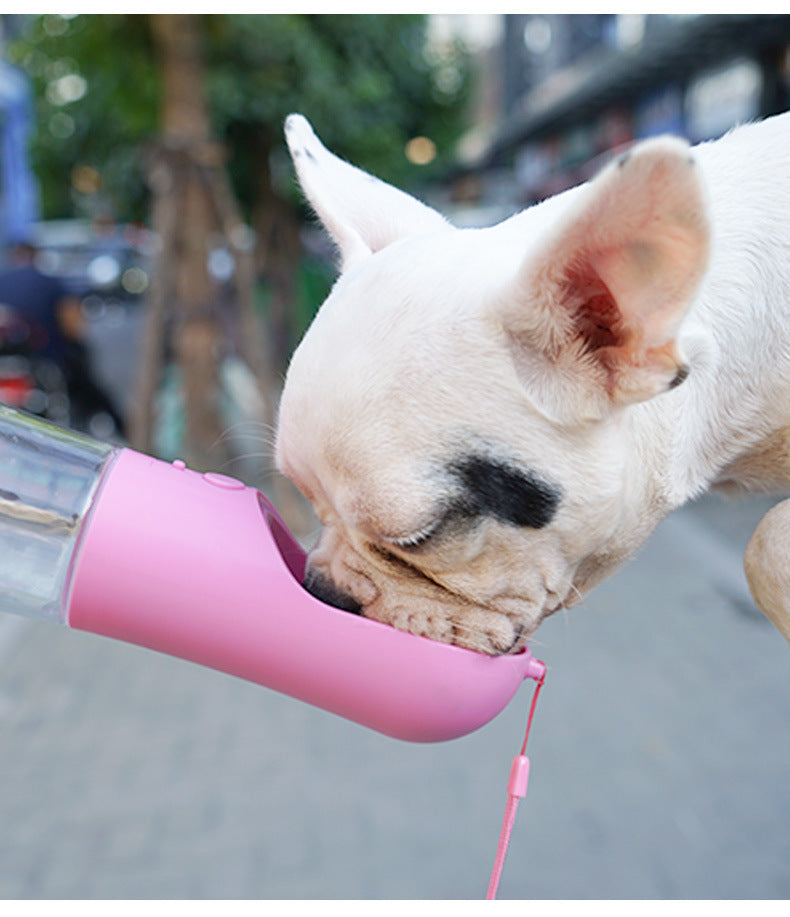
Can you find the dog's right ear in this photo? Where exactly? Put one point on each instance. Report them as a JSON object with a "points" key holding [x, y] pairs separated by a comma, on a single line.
{"points": [[361, 213], [602, 297]]}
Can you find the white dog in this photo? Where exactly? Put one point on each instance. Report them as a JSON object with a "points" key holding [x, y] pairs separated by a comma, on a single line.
{"points": [[488, 422]]}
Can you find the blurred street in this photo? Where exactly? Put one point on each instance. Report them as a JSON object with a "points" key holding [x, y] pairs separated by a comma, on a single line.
{"points": [[660, 754]]}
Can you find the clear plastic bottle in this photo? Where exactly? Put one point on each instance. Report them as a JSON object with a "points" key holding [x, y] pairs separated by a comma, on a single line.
{"points": [[48, 478]]}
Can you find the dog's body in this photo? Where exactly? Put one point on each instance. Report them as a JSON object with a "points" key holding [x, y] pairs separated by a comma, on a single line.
{"points": [[489, 422]]}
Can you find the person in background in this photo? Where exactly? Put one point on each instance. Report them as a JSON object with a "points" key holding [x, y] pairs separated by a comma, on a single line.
{"points": [[57, 328]]}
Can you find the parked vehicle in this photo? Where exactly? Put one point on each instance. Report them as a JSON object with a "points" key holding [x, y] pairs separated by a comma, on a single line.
{"points": [[103, 264], [27, 381]]}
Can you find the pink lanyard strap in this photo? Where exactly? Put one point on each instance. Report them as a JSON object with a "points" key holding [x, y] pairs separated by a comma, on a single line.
{"points": [[516, 789]]}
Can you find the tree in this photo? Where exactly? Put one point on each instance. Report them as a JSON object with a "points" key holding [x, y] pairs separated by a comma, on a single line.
{"points": [[369, 84], [223, 85], [95, 108], [193, 210]]}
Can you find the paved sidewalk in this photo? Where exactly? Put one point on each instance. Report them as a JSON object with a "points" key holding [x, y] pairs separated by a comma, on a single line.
{"points": [[660, 761]]}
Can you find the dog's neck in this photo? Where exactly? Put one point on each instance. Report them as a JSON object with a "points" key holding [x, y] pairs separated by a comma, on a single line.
{"points": [[728, 425], [702, 435]]}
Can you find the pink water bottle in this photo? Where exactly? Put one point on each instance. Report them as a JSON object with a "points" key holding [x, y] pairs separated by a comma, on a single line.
{"points": [[201, 567]]}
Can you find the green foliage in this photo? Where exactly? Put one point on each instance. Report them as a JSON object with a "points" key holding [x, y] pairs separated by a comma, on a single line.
{"points": [[367, 83], [96, 91]]}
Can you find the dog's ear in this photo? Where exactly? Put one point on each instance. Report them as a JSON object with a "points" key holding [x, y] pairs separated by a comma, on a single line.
{"points": [[606, 293], [361, 213]]}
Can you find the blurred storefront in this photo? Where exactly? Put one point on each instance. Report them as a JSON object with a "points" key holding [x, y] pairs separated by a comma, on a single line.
{"points": [[577, 88]]}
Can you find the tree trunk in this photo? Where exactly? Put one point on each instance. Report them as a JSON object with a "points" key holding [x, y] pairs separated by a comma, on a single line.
{"points": [[278, 252], [185, 222], [193, 212]]}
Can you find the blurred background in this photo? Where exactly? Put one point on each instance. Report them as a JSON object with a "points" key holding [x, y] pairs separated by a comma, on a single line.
{"points": [[144, 176]]}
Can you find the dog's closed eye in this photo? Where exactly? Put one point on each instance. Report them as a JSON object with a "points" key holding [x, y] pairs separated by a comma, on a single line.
{"points": [[419, 538]]}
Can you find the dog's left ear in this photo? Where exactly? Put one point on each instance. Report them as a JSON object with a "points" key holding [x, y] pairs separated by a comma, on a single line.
{"points": [[607, 292], [361, 213]]}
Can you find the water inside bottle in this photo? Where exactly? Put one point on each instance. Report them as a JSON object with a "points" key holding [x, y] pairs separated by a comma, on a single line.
{"points": [[48, 476]]}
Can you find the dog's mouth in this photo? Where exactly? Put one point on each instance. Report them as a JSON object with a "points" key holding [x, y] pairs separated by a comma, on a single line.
{"points": [[322, 588]]}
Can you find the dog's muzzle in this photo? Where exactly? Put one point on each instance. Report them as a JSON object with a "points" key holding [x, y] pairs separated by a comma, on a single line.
{"points": [[320, 586]]}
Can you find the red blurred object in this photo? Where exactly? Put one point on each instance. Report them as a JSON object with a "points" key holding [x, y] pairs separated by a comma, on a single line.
{"points": [[16, 385]]}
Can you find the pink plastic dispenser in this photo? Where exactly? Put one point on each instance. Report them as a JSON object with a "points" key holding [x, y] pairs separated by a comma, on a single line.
{"points": [[201, 567]]}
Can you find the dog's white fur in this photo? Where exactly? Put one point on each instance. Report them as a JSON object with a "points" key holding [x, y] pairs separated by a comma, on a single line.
{"points": [[554, 343]]}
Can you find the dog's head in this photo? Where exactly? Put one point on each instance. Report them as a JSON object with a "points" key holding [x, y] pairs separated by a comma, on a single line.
{"points": [[461, 411]]}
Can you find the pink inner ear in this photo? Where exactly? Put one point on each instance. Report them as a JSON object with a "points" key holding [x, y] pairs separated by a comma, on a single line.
{"points": [[598, 319]]}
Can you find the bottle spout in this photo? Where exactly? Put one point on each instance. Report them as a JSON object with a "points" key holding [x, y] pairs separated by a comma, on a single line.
{"points": [[535, 669]]}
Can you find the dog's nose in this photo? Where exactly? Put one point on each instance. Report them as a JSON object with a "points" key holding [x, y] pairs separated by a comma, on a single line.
{"points": [[320, 586]]}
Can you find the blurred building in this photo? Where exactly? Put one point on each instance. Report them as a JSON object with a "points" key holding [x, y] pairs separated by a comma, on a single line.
{"points": [[18, 192], [576, 87]]}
